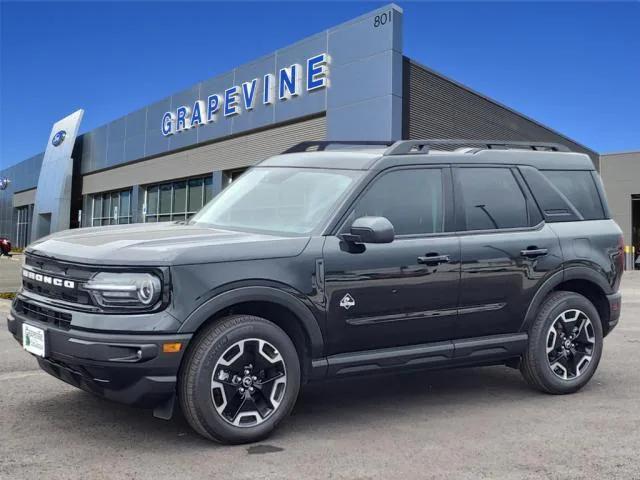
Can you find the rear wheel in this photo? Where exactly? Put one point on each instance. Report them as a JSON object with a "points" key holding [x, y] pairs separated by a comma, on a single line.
{"points": [[239, 380], [565, 344]]}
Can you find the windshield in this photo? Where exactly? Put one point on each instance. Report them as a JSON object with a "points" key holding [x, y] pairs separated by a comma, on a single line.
{"points": [[278, 200]]}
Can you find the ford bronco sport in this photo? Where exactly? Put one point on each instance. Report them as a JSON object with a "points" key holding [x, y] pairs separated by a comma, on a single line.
{"points": [[333, 259]]}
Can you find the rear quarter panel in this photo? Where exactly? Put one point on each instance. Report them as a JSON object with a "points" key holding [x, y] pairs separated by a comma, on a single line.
{"points": [[593, 244]]}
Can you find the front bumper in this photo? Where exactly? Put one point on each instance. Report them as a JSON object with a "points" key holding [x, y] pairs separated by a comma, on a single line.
{"points": [[127, 368]]}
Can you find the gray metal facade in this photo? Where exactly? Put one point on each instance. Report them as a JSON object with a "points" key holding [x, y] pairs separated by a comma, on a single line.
{"points": [[373, 92], [363, 98], [620, 174], [438, 107], [364, 75], [52, 207], [23, 176]]}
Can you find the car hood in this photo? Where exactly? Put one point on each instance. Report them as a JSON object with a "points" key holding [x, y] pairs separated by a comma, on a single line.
{"points": [[163, 244]]}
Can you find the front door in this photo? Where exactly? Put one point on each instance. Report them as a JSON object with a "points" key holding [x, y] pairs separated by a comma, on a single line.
{"points": [[404, 292]]}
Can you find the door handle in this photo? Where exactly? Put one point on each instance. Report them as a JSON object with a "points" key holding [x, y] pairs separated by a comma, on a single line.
{"points": [[434, 259], [534, 252]]}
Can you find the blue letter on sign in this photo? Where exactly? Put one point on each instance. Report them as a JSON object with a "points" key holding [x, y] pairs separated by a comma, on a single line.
{"points": [[196, 116], [181, 121], [167, 124], [317, 72], [268, 93], [231, 101], [213, 105], [249, 93], [289, 84]]}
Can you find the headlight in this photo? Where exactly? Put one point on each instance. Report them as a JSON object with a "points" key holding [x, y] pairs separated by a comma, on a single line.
{"points": [[125, 290]]}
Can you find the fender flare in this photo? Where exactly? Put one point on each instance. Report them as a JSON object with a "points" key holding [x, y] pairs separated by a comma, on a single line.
{"points": [[259, 294], [570, 273]]}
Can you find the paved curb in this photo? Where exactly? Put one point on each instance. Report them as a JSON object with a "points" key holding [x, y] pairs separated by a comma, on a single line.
{"points": [[5, 305]]}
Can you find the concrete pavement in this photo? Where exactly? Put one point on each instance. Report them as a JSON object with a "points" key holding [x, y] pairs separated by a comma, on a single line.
{"points": [[10, 279]]}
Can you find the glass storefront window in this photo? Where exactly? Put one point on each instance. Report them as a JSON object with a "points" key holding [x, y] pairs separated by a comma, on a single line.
{"points": [[125, 203], [164, 206], [177, 200], [179, 197], [22, 226], [208, 189], [152, 200], [111, 208], [195, 195]]}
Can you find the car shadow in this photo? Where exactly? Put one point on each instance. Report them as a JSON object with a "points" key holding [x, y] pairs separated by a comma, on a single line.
{"points": [[320, 405]]}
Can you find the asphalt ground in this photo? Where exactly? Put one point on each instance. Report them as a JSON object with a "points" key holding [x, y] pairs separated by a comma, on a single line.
{"points": [[481, 423], [10, 279]]}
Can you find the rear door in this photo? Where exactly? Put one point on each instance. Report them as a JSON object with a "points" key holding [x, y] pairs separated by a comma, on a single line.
{"points": [[507, 249], [404, 292]]}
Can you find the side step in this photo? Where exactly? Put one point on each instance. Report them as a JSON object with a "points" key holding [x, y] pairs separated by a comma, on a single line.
{"points": [[429, 355]]}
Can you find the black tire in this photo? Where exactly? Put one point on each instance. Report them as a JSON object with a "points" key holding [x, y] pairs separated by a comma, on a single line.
{"points": [[536, 364], [195, 389]]}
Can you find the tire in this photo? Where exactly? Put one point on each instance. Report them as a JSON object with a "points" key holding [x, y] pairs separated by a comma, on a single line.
{"points": [[552, 365], [213, 383]]}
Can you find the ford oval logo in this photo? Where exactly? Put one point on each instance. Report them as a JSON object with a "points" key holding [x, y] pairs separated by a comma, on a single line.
{"points": [[58, 138], [4, 183]]}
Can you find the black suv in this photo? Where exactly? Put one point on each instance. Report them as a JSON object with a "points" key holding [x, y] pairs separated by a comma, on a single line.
{"points": [[334, 259]]}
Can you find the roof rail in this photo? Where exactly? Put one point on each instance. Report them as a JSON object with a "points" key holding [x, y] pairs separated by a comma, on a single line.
{"points": [[324, 144], [403, 147]]}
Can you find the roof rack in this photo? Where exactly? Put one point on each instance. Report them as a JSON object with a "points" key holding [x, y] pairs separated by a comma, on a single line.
{"points": [[321, 145], [403, 147]]}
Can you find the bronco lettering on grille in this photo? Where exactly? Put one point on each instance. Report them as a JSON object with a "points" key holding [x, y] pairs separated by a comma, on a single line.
{"points": [[57, 282]]}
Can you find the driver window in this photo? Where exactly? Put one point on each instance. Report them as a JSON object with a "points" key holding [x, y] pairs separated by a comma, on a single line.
{"points": [[410, 199]]}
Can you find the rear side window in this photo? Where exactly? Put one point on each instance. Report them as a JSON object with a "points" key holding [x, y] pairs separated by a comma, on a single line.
{"points": [[580, 189], [491, 199]]}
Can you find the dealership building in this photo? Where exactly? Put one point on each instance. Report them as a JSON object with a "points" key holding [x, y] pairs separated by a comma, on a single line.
{"points": [[621, 177], [165, 160]]}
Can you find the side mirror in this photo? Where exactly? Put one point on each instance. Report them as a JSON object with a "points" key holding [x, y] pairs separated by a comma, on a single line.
{"points": [[370, 230]]}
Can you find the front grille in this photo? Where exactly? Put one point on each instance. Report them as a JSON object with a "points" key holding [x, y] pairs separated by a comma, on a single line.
{"points": [[59, 270], [42, 314], [73, 296]]}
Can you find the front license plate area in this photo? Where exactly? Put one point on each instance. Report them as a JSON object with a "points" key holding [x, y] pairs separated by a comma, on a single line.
{"points": [[33, 340]]}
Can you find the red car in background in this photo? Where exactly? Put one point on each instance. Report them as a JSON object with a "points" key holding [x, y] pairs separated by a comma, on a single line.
{"points": [[5, 246]]}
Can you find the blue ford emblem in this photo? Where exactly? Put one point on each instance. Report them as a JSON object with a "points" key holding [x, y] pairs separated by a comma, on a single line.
{"points": [[58, 138], [4, 183]]}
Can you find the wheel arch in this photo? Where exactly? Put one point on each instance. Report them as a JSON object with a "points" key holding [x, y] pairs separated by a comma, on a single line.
{"points": [[582, 280], [274, 304]]}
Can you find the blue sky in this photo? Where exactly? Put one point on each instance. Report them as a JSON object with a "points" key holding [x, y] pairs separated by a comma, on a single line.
{"points": [[572, 66]]}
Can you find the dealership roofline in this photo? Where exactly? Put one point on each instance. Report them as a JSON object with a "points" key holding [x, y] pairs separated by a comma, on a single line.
{"points": [[495, 102], [624, 152]]}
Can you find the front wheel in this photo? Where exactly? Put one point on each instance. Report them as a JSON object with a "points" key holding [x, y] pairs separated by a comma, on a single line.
{"points": [[239, 380], [565, 344]]}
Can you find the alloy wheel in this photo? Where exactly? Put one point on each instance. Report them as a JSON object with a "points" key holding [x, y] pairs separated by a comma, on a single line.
{"points": [[570, 344], [248, 382]]}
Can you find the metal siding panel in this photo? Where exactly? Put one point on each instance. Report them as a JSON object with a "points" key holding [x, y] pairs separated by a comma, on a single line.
{"points": [[23, 176], [27, 197], [440, 108], [227, 154], [136, 128], [116, 132]]}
